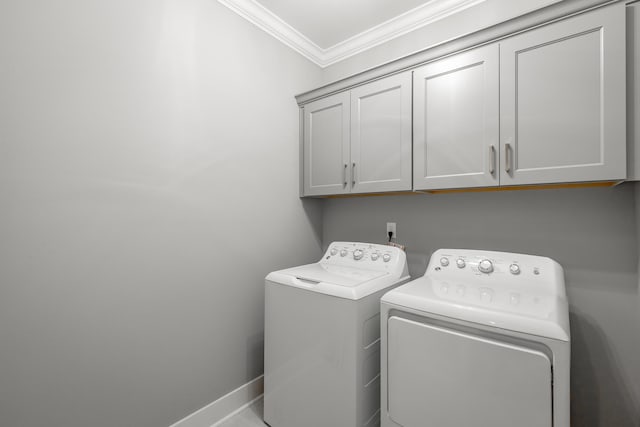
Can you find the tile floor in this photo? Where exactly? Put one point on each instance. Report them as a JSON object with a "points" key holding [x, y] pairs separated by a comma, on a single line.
{"points": [[250, 416]]}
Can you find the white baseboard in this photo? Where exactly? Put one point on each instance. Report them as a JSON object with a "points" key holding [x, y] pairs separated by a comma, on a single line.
{"points": [[225, 407]]}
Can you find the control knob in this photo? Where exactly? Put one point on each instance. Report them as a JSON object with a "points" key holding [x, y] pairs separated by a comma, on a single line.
{"points": [[334, 251], [460, 263], [514, 269], [375, 256], [444, 261], [386, 257], [485, 266], [343, 252], [357, 254]]}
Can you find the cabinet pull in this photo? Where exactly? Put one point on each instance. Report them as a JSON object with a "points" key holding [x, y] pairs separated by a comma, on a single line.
{"points": [[353, 175], [492, 159], [344, 174], [507, 154]]}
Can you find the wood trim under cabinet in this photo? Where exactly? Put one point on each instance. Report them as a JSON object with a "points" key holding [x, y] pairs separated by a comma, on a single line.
{"points": [[599, 184], [388, 193], [527, 187]]}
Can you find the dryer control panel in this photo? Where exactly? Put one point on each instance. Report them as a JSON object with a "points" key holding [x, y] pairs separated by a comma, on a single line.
{"points": [[527, 284], [498, 268], [503, 290]]}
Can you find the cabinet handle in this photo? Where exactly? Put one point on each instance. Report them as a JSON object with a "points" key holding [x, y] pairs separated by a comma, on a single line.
{"points": [[507, 154], [353, 175], [344, 174], [492, 159]]}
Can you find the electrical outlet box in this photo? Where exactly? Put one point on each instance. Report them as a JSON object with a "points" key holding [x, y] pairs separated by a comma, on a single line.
{"points": [[391, 227]]}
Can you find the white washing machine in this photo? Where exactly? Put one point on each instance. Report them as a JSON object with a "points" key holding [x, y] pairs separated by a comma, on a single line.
{"points": [[482, 339], [322, 337]]}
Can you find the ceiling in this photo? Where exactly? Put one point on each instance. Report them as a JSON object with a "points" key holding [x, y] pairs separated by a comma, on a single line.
{"points": [[328, 22], [328, 31]]}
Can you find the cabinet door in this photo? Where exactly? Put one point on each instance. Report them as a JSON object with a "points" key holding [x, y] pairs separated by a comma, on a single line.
{"points": [[326, 146], [633, 91], [455, 127], [562, 101], [381, 135]]}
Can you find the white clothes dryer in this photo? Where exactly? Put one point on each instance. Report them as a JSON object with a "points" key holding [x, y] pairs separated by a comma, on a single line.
{"points": [[322, 337], [482, 339]]}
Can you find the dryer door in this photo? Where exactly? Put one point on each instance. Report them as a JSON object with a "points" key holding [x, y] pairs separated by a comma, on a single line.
{"points": [[444, 378]]}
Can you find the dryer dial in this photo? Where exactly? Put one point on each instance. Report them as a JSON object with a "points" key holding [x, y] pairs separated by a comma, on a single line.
{"points": [[485, 266]]}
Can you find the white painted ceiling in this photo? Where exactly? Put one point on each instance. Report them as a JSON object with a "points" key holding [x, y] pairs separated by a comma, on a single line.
{"points": [[329, 22], [328, 31]]}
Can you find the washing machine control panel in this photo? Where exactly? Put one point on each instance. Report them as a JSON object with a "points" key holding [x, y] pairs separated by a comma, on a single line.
{"points": [[368, 256], [512, 282]]}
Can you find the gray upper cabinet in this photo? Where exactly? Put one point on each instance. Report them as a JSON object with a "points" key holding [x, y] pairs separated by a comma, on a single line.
{"points": [[562, 101], [326, 146], [359, 141], [548, 105], [381, 135], [456, 122]]}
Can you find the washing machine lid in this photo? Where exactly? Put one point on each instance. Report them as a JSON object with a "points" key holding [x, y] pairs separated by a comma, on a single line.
{"points": [[544, 315], [335, 274], [334, 280]]}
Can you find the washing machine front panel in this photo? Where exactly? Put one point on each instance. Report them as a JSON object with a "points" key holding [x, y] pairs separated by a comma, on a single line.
{"points": [[444, 378], [309, 341]]}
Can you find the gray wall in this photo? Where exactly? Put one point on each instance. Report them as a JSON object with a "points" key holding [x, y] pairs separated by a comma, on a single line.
{"points": [[148, 164], [592, 233], [148, 182]]}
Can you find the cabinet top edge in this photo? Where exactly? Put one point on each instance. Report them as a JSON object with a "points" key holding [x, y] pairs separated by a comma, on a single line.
{"points": [[553, 13]]}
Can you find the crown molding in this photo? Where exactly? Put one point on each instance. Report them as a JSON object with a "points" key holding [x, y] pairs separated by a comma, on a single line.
{"points": [[411, 20], [269, 22], [402, 24]]}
